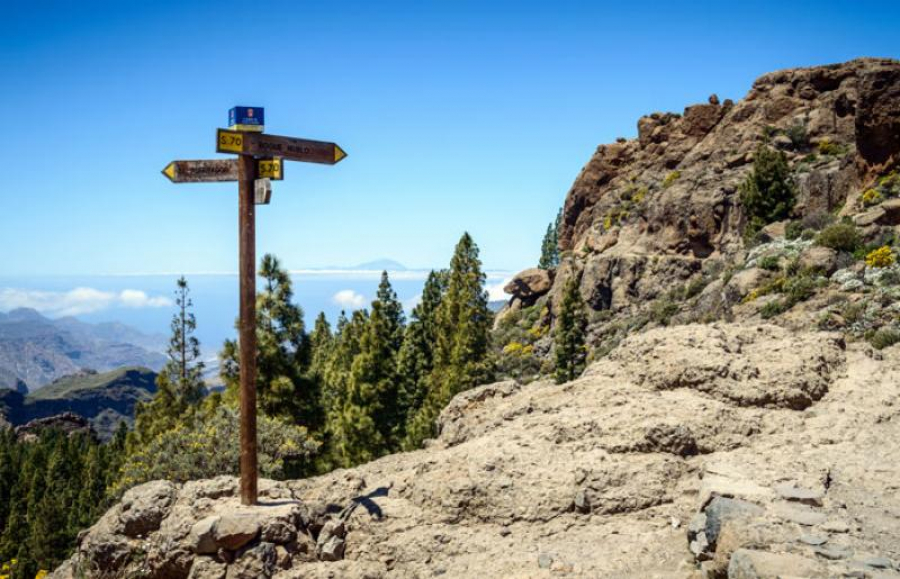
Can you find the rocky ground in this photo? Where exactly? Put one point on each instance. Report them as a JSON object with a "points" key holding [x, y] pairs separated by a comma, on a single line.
{"points": [[720, 450]]}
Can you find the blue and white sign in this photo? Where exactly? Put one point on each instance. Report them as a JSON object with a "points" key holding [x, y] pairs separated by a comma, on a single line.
{"points": [[246, 119]]}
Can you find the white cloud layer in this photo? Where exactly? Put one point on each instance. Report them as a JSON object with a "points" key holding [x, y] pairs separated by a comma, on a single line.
{"points": [[349, 299], [81, 300], [495, 290]]}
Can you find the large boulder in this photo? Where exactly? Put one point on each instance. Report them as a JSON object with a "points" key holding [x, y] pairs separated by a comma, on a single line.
{"points": [[530, 284]]}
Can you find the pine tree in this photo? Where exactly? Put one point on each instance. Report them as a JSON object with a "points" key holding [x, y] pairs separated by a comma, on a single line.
{"points": [[179, 385], [368, 416], [284, 386], [463, 337], [569, 350], [550, 245], [337, 386], [415, 361], [769, 193], [321, 341]]}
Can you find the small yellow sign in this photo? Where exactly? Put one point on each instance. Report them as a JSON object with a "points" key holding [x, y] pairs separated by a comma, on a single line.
{"points": [[270, 168], [338, 153], [169, 171], [229, 141]]}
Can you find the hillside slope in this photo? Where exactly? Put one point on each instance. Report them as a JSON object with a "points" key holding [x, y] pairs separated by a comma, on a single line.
{"points": [[103, 398], [36, 350], [774, 445]]}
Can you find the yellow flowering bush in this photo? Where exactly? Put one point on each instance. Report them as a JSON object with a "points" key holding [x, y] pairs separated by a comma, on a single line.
{"points": [[209, 446], [640, 195], [871, 197], [537, 332], [671, 178], [826, 147], [518, 349], [881, 257]]}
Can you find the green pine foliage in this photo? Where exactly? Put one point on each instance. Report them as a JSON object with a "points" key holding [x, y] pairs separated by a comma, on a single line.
{"points": [[336, 387], [463, 337], [179, 385], [415, 361], [769, 193], [50, 489], [569, 351], [550, 245], [284, 385], [364, 422]]}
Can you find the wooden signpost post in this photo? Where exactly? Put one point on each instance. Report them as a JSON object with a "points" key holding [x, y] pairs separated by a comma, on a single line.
{"points": [[259, 162]]}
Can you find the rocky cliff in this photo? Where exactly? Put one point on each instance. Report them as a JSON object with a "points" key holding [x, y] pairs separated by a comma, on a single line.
{"points": [[654, 229], [740, 418]]}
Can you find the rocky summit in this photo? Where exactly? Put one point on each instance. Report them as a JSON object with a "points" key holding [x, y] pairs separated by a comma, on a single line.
{"points": [[696, 451], [745, 426]]}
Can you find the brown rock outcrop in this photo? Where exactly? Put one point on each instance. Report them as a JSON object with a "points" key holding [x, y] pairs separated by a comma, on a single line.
{"points": [[672, 193]]}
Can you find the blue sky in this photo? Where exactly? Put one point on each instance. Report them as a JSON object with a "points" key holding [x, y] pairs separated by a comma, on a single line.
{"points": [[456, 116]]}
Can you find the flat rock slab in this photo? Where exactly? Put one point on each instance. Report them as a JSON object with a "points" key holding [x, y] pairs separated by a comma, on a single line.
{"points": [[809, 497], [834, 552], [797, 514], [749, 564], [814, 540]]}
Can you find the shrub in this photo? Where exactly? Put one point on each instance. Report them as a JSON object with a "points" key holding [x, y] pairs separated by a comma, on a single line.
{"points": [[871, 197], [696, 286], [209, 446], [799, 289], [793, 230], [518, 349], [881, 257], [853, 312], [671, 178], [640, 195], [768, 193], [795, 289], [798, 135], [840, 237], [884, 338], [890, 184], [662, 311], [769, 262], [773, 308], [826, 147], [769, 132]]}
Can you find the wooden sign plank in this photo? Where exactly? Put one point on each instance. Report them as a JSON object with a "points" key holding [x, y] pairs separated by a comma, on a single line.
{"points": [[288, 148], [218, 170]]}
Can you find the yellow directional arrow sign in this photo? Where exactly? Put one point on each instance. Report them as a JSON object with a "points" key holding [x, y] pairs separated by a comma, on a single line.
{"points": [[217, 170], [288, 148]]}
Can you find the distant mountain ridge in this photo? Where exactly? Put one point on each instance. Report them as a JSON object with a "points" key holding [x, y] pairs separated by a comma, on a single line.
{"points": [[383, 264], [36, 350], [105, 399]]}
